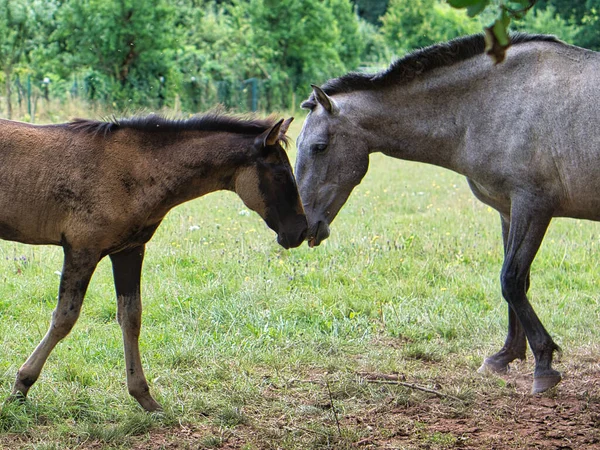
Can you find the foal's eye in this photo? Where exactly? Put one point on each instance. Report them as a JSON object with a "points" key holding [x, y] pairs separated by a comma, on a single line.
{"points": [[318, 148]]}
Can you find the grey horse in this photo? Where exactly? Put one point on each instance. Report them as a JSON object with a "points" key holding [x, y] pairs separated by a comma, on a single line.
{"points": [[524, 133]]}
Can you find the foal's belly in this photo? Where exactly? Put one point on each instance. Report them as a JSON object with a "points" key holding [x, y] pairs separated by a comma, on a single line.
{"points": [[25, 224]]}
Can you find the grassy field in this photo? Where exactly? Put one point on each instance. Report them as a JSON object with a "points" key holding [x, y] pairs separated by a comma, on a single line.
{"points": [[247, 345]]}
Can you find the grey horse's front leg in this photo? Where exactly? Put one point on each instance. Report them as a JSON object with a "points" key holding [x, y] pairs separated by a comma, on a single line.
{"points": [[77, 271], [515, 345], [127, 269], [528, 224]]}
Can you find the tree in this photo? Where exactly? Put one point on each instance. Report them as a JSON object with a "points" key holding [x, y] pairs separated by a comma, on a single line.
{"points": [[17, 28], [126, 43], [371, 10], [589, 31], [296, 43], [410, 24], [547, 21], [570, 10]]}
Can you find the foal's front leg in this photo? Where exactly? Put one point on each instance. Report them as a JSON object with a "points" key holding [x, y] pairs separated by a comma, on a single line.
{"points": [[77, 270], [127, 269]]}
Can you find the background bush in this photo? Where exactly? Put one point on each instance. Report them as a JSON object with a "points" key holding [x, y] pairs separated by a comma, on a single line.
{"points": [[122, 55]]}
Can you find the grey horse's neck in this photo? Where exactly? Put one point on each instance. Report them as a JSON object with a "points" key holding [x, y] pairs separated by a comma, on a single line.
{"points": [[449, 116]]}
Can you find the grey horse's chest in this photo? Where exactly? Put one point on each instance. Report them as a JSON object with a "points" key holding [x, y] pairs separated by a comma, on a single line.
{"points": [[497, 199]]}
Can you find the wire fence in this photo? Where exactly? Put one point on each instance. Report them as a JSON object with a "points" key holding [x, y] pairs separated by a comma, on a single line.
{"points": [[26, 96]]}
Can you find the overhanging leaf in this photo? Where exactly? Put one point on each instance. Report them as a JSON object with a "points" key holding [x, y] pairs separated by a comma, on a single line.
{"points": [[497, 40], [473, 10], [465, 3]]}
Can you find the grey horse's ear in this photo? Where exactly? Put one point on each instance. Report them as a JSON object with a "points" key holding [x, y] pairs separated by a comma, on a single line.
{"points": [[324, 100]]}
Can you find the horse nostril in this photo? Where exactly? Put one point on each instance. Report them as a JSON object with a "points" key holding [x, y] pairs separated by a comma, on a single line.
{"points": [[303, 235]]}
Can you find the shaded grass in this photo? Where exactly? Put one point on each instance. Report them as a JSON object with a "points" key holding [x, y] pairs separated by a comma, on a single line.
{"points": [[238, 332]]}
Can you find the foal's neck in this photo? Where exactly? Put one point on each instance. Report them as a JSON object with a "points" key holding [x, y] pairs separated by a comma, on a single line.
{"points": [[191, 165]]}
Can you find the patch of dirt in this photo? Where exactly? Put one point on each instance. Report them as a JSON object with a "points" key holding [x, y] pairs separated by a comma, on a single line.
{"points": [[568, 417], [497, 413]]}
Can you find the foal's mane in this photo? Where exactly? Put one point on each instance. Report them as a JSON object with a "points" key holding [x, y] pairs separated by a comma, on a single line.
{"points": [[410, 66], [157, 123]]}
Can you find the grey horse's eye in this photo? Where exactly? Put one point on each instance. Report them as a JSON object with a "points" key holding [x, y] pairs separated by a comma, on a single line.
{"points": [[318, 148]]}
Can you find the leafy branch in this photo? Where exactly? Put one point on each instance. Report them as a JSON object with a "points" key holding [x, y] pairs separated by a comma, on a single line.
{"points": [[496, 34]]}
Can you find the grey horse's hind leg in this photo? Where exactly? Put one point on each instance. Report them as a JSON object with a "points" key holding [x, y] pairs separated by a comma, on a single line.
{"points": [[77, 271], [515, 345], [127, 268], [528, 225]]}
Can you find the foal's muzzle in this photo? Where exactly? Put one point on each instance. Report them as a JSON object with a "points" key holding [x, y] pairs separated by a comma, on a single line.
{"points": [[292, 233]]}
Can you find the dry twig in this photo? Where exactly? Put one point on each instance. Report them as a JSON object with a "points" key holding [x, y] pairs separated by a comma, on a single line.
{"points": [[380, 378]]}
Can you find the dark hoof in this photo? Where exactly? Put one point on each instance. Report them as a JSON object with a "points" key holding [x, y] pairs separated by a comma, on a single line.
{"points": [[149, 404], [543, 383], [16, 397], [491, 366]]}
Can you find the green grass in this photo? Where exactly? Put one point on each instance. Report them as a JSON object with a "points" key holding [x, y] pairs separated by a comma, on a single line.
{"points": [[238, 332]]}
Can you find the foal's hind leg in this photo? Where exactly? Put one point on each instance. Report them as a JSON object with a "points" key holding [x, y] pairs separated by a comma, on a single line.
{"points": [[527, 229], [127, 268], [515, 345], [78, 268]]}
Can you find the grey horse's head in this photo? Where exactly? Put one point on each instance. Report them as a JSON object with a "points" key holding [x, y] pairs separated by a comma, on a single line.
{"points": [[332, 159]]}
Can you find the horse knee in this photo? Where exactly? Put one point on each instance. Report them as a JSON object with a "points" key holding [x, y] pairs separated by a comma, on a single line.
{"points": [[63, 323], [514, 284]]}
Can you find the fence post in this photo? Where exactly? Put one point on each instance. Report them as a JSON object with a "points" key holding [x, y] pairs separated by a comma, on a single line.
{"points": [[253, 82], [29, 97]]}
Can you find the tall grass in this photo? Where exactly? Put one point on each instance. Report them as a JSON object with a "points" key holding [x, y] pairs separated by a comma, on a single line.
{"points": [[407, 282]]}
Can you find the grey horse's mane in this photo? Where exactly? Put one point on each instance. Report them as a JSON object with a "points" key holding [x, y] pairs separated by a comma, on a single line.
{"points": [[410, 66]]}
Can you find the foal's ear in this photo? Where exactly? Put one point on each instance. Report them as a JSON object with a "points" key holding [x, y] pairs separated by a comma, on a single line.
{"points": [[324, 100], [284, 127], [273, 135]]}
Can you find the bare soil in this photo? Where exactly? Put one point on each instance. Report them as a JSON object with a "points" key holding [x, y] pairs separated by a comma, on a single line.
{"points": [[505, 417]]}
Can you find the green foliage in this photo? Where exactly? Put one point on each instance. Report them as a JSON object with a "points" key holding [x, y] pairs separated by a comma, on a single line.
{"points": [[371, 10], [127, 45], [23, 24], [194, 54], [589, 31], [410, 24], [125, 54], [496, 34], [571, 10], [573, 21], [547, 21]]}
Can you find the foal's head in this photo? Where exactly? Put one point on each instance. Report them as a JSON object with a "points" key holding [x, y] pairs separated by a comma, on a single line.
{"points": [[266, 185]]}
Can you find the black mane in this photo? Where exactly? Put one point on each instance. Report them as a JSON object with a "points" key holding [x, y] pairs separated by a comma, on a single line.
{"points": [[157, 123], [410, 66]]}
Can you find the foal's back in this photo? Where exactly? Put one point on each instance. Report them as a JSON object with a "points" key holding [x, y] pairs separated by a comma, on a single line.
{"points": [[55, 181]]}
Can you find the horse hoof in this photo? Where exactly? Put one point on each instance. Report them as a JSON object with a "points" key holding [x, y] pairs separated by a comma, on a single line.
{"points": [[16, 397], [542, 384], [490, 366], [149, 404]]}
